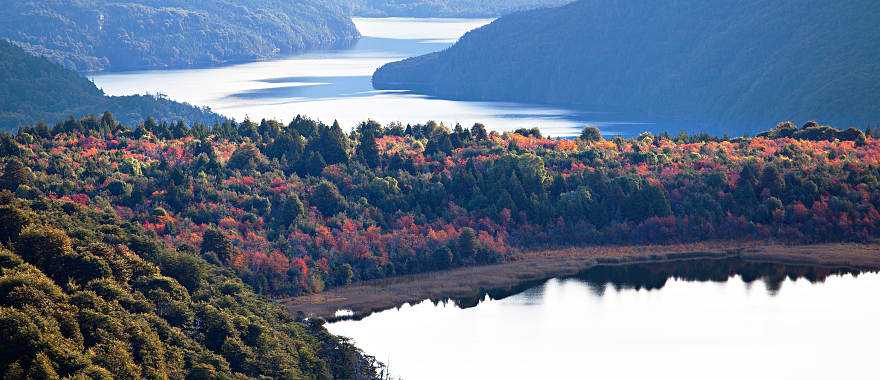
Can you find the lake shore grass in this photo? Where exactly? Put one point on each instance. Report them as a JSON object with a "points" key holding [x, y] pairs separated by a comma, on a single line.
{"points": [[532, 267]]}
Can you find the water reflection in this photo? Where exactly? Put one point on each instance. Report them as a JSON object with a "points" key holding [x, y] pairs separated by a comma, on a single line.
{"points": [[655, 276], [685, 320]]}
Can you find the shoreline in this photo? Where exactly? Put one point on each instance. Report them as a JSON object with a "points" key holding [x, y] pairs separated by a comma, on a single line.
{"points": [[530, 268]]}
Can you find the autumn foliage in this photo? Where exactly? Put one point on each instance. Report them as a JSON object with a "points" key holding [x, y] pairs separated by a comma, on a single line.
{"points": [[302, 207]]}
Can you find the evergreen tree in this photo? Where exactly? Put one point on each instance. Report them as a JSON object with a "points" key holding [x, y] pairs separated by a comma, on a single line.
{"points": [[367, 150], [772, 181], [327, 199], [467, 242], [478, 132], [313, 165], [291, 210], [744, 193], [439, 142], [215, 241], [332, 144]]}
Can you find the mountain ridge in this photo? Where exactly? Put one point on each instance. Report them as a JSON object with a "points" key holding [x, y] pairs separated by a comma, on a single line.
{"points": [[713, 61], [107, 35]]}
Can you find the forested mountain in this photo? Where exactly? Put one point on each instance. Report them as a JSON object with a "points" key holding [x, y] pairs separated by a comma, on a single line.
{"points": [[32, 89], [729, 62], [92, 35], [445, 8], [298, 208]]}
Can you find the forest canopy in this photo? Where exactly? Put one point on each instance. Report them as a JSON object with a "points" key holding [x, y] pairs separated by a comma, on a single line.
{"points": [[297, 208], [86, 295]]}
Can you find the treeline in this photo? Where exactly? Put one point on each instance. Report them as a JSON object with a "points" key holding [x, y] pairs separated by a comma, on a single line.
{"points": [[95, 35], [734, 67], [86, 295], [32, 90], [445, 8], [305, 206]]}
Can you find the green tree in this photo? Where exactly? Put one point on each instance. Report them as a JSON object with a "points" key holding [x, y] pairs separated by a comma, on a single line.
{"points": [[291, 210], [215, 241], [327, 199], [591, 133], [772, 180], [367, 151], [188, 270], [14, 175], [744, 192], [478, 132], [245, 157], [12, 221], [439, 142], [344, 274], [43, 246], [313, 165], [467, 242], [332, 144]]}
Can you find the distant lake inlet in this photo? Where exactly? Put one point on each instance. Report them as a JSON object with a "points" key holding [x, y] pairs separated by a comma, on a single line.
{"points": [[336, 85]]}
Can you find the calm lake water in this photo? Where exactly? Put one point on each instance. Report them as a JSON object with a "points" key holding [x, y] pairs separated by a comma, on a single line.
{"points": [[335, 85], [692, 320]]}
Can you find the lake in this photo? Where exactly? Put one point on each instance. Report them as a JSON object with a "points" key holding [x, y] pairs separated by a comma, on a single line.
{"points": [[336, 85], [699, 319]]}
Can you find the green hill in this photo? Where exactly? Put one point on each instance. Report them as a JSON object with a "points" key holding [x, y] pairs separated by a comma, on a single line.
{"points": [[93, 35], [32, 90], [741, 63]]}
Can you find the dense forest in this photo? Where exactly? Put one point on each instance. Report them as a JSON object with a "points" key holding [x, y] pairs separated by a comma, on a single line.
{"points": [[297, 208], [445, 8], [93, 35], [86, 295], [724, 63], [32, 90]]}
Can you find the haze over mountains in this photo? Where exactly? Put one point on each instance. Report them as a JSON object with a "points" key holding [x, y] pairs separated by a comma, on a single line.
{"points": [[716, 61], [94, 35], [445, 8]]}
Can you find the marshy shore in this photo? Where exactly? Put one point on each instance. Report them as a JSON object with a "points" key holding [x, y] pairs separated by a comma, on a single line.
{"points": [[530, 268]]}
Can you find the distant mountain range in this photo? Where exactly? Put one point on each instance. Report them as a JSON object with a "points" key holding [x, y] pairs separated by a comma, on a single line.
{"points": [[32, 89], [94, 35], [745, 63], [445, 8]]}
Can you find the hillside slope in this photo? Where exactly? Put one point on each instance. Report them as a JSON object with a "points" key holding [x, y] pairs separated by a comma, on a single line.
{"points": [[32, 89], [752, 61], [86, 295], [93, 35]]}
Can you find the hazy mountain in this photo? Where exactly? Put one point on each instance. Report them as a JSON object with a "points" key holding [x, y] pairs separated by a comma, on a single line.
{"points": [[32, 89], [445, 8], [90, 35], [721, 61]]}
